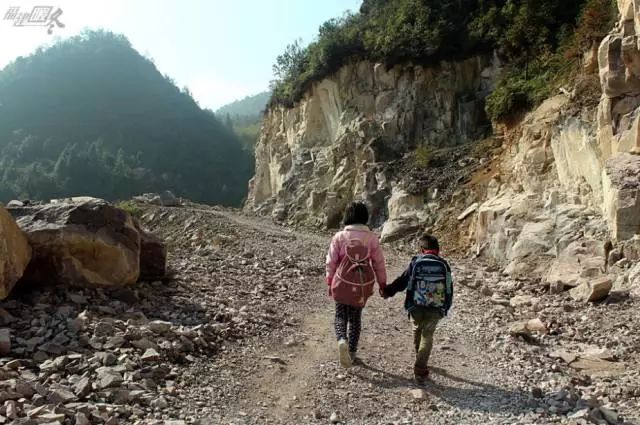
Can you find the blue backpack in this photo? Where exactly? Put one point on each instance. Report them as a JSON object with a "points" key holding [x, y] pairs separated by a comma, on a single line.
{"points": [[428, 283]]}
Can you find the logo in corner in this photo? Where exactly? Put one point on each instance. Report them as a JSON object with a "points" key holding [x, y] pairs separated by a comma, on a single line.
{"points": [[39, 16]]}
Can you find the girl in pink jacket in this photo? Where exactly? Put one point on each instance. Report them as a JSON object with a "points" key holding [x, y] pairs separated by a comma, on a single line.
{"points": [[348, 318]]}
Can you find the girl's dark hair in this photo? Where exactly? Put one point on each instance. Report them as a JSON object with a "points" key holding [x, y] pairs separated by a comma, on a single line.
{"points": [[356, 213], [428, 241]]}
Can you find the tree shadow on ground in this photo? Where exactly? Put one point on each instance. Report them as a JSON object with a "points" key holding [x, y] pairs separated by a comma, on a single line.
{"points": [[469, 395]]}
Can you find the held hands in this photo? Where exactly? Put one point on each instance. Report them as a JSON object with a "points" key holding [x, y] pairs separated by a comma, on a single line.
{"points": [[383, 294]]}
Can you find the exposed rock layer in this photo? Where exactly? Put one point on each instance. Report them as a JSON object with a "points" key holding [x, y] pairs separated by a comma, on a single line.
{"points": [[334, 145]]}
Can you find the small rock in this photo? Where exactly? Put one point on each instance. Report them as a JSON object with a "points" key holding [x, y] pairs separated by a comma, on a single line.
{"points": [[60, 396], [150, 355], [48, 418], [25, 389], [109, 380], [418, 394], [564, 355], [521, 301], [580, 414], [104, 329], [81, 419], [144, 344], [537, 392], [5, 342], [11, 409], [592, 290], [486, 291], [77, 298], [470, 210], [160, 326], [107, 358], [609, 415], [334, 418], [159, 403], [82, 387], [536, 325]]}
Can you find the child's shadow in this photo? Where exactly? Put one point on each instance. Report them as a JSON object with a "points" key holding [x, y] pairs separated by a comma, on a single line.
{"points": [[470, 395]]}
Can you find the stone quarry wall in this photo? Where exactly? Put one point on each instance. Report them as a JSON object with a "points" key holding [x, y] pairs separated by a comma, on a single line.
{"points": [[571, 183], [335, 144], [566, 182]]}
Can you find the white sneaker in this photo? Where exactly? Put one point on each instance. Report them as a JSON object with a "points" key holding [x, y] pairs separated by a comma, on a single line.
{"points": [[343, 351]]}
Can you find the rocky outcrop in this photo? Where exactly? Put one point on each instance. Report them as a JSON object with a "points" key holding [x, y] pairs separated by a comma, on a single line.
{"points": [[80, 241], [619, 120], [15, 253], [621, 188], [571, 182], [337, 143]]}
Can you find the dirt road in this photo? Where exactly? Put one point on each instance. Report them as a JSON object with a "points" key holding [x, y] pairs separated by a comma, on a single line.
{"points": [[481, 374]]}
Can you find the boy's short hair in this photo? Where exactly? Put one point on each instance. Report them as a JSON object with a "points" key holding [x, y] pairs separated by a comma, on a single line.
{"points": [[428, 241], [356, 213]]}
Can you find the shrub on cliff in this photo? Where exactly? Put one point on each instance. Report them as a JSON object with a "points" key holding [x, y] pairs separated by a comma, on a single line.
{"points": [[530, 79], [525, 33]]}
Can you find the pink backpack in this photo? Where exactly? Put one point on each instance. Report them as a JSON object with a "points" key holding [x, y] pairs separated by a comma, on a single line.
{"points": [[353, 282]]}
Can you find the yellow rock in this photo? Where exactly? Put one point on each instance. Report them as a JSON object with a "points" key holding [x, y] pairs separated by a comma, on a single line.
{"points": [[15, 253]]}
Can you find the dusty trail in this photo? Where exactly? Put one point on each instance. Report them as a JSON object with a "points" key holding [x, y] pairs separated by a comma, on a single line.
{"points": [[288, 374], [296, 379], [310, 386]]}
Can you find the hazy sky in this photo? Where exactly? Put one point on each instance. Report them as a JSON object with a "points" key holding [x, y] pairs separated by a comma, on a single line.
{"points": [[222, 50]]}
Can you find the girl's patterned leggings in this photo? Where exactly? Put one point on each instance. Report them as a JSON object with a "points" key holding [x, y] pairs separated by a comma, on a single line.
{"points": [[346, 314]]}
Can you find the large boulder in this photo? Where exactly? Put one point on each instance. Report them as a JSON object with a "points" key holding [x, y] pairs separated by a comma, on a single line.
{"points": [[404, 211], [579, 260], [80, 241], [15, 253]]}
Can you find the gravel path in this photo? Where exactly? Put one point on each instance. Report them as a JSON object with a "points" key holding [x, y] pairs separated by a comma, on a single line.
{"points": [[481, 374], [242, 334]]}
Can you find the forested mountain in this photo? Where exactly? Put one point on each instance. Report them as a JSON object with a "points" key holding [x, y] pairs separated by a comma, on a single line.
{"points": [[91, 116], [244, 116], [250, 106]]}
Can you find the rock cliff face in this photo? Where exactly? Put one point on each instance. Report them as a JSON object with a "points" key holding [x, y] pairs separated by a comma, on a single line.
{"points": [[571, 183], [560, 199], [338, 143]]}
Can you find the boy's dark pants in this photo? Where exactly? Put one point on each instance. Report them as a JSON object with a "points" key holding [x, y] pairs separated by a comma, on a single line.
{"points": [[424, 325]]}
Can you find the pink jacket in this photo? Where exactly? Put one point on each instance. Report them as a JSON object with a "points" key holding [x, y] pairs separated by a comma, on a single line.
{"points": [[337, 252]]}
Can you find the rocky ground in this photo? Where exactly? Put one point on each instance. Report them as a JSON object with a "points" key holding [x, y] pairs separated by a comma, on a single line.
{"points": [[241, 333]]}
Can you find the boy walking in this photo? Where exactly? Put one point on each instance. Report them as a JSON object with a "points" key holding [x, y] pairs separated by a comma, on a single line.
{"points": [[429, 294]]}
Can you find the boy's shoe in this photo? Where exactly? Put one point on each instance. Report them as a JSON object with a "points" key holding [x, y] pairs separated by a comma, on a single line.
{"points": [[355, 360], [421, 374], [343, 353]]}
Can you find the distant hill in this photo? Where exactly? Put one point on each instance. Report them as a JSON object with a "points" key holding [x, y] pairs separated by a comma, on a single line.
{"points": [[244, 117], [91, 116], [250, 106]]}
